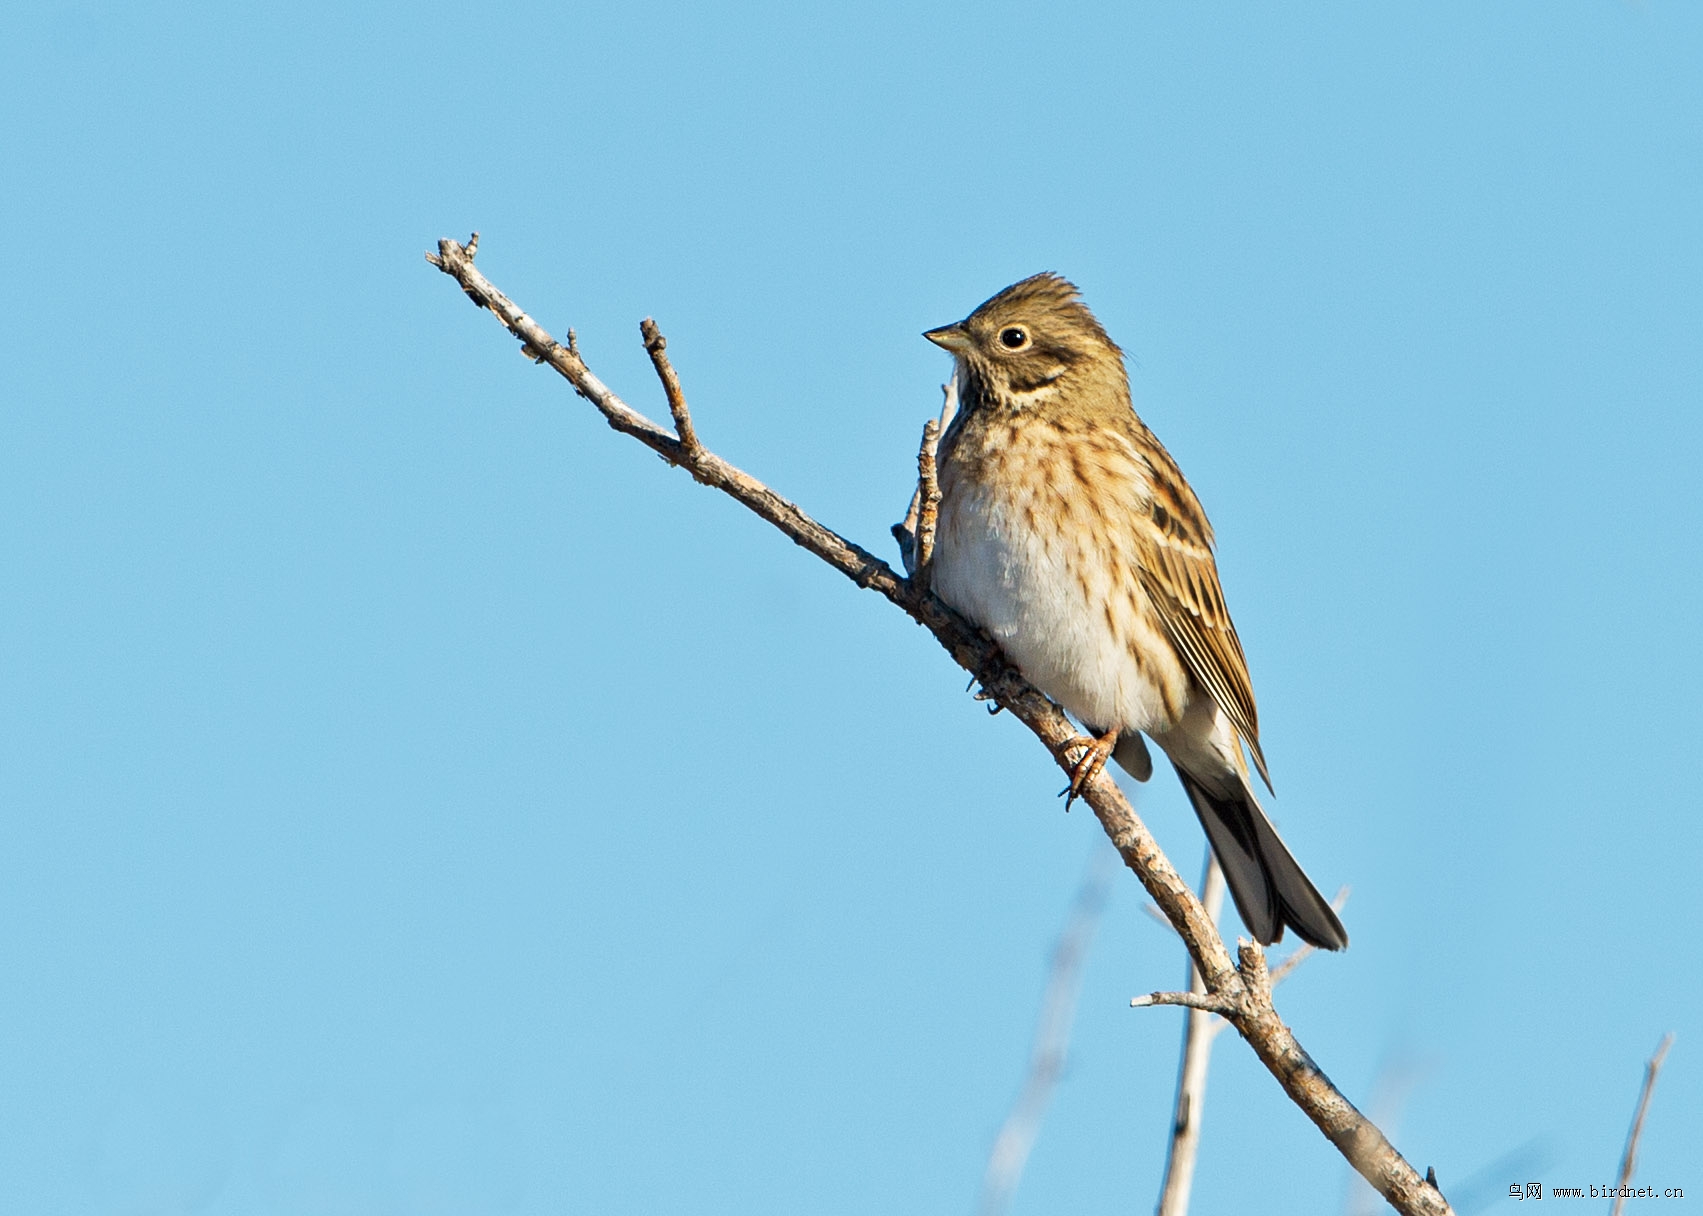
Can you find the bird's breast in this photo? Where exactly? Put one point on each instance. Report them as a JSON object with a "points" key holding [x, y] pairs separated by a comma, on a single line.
{"points": [[1036, 544]]}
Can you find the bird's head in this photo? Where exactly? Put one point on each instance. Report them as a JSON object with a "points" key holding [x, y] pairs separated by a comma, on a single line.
{"points": [[1032, 343]]}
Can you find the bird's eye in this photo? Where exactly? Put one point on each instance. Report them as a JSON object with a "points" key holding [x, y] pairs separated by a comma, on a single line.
{"points": [[1014, 337]]}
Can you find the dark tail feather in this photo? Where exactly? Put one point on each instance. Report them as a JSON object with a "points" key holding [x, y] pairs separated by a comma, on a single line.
{"points": [[1265, 880]]}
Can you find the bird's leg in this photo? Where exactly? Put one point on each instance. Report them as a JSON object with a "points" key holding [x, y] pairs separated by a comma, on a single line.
{"points": [[1097, 750]]}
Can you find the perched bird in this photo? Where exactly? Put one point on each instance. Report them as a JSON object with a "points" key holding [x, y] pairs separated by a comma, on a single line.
{"points": [[1068, 533]]}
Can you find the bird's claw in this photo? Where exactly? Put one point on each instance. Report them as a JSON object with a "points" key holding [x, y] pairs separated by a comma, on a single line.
{"points": [[1095, 753]]}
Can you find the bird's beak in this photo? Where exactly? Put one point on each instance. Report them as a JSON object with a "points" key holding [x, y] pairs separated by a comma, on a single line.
{"points": [[951, 337]]}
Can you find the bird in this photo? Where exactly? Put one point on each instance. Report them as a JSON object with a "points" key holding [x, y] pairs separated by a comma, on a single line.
{"points": [[1069, 535]]}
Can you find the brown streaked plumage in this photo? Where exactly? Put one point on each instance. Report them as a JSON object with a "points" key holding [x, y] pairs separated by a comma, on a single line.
{"points": [[1069, 534]]}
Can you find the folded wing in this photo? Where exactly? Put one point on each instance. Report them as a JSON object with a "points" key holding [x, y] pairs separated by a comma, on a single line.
{"points": [[1180, 576]]}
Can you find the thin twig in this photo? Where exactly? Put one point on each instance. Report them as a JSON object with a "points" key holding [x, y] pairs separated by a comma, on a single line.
{"points": [[657, 346], [906, 533], [1207, 1001], [1629, 1162], [1199, 1030], [928, 486], [1245, 989], [1017, 1134]]}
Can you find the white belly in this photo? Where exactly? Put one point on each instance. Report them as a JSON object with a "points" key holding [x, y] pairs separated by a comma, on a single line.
{"points": [[1063, 604]]}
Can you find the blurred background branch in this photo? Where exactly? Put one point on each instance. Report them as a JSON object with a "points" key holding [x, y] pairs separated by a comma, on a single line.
{"points": [[1629, 1160], [1047, 1058]]}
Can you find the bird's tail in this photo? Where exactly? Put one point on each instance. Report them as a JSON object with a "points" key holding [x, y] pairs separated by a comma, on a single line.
{"points": [[1267, 883]]}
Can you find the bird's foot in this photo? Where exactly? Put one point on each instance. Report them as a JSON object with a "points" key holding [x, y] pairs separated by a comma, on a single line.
{"points": [[1096, 751]]}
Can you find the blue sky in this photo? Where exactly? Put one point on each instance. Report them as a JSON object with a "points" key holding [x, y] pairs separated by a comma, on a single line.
{"points": [[416, 799]]}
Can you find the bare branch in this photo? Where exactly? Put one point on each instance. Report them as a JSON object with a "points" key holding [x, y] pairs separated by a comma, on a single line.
{"points": [[1200, 1028], [928, 487], [657, 346], [1016, 1137], [1629, 1162], [1204, 1001], [1245, 990], [925, 503]]}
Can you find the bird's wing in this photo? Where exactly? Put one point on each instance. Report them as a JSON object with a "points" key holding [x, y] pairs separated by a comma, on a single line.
{"points": [[1180, 577]]}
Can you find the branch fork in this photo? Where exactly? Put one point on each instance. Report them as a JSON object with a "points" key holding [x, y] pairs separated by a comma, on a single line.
{"points": [[916, 534], [657, 347], [1242, 996]]}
